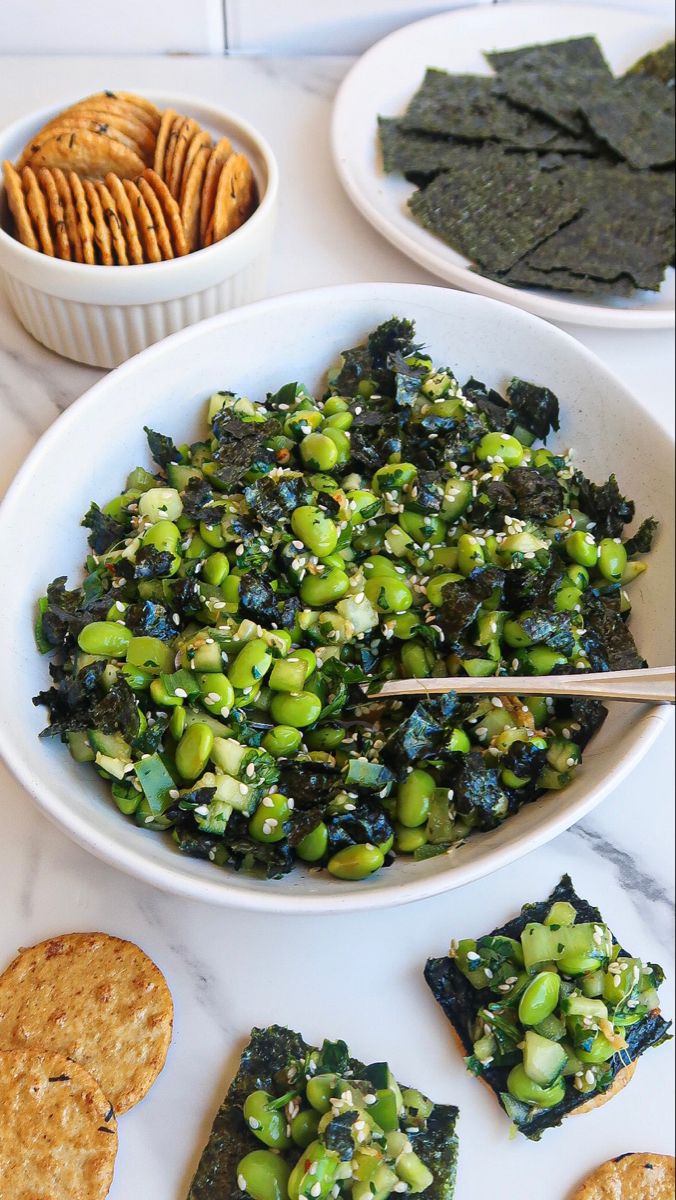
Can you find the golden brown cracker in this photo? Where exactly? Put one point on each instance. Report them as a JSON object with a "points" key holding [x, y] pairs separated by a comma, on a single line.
{"points": [[134, 247], [126, 129], [168, 118], [186, 133], [56, 214], [235, 197], [37, 207], [67, 203], [155, 208], [59, 1134], [114, 224], [198, 142], [144, 222], [631, 1177], [17, 206], [171, 146], [618, 1085], [191, 196], [117, 103], [88, 154], [171, 211], [84, 224], [96, 998], [219, 155], [102, 237]]}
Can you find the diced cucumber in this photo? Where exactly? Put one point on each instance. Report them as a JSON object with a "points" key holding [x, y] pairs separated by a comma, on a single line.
{"points": [[288, 675], [543, 1060], [117, 767], [385, 1111], [228, 754], [157, 783], [561, 913], [540, 945], [113, 745], [552, 1027], [363, 616], [412, 1170], [229, 791], [179, 475], [584, 1006], [80, 746]]}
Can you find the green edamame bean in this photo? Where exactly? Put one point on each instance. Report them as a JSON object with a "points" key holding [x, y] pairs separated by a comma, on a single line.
{"points": [[327, 738], [436, 585], [404, 625], [417, 660], [389, 594], [197, 548], [470, 554], [177, 723], [578, 576], [217, 693], [105, 638], [193, 750], [315, 529], [319, 1091], [600, 1050], [266, 1123], [356, 862], [305, 1127], [299, 709], [457, 496], [317, 590], [393, 477], [251, 665], [459, 742], [342, 421], [335, 404], [581, 548], [138, 680], [160, 504], [318, 452], [267, 823], [363, 505], [162, 697], [309, 658], [215, 569], [612, 559], [542, 661], [230, 588], [315, 845], [423, 528], [264, 1176], [568, 598], [282, 741], [163, 536], [407, 841], [377, 566], [341, 441], [413, 798], [212, 534], [501, 448], [540, 998], [150, 654], [524, 1089], [515, 635]]}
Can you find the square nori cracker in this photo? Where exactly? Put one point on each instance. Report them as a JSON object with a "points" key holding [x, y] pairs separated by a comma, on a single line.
{"points": [[230, 1140], [414, 153], [522, 275], [626, 226], [635, 117], [553, 79], [461, 1002], [495, 207], [659, 64], [467, 107]]}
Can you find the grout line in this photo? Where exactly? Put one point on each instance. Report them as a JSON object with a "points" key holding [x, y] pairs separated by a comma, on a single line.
{"points": [[226, 39]]}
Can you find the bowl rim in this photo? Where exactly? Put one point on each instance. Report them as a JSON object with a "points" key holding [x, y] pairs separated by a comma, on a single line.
{"points": [[56, 271], [346, 898]]}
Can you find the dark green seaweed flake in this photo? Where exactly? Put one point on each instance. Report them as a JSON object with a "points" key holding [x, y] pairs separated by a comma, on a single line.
{"points": [[413, 153], [659, 64], [468, 106], [635, 117], [577, 52], [553, 79]]}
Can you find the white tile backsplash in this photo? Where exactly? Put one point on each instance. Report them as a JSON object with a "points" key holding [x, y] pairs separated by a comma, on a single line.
{"points": [[120, 27]]}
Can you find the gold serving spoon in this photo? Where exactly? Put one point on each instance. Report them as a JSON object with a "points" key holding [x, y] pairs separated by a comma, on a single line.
{"points": [[653, 685]]}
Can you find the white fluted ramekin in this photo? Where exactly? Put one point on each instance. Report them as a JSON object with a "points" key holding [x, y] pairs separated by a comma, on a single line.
{"points": [[103, 315]]}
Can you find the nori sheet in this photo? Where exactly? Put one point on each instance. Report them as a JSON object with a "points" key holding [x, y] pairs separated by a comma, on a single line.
{"points": [[230, 1140], [552, 79], [497, 207], [523, 275], [415, 154], [658, 64], [461, 1003], [635, 117]]}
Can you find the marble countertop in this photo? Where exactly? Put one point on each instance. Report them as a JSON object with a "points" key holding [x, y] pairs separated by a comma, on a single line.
{"points": [[358, 977]]}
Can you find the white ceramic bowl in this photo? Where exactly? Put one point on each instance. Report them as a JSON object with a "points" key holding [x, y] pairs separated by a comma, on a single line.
{"points": [[104, 315], [88, 451]]}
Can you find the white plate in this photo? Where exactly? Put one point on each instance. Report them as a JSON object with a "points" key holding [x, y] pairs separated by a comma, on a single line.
{"points": [[89, 450], [387, 76]]}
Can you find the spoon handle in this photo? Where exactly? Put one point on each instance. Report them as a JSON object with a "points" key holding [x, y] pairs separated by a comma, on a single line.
{"points": [[654, 685]]}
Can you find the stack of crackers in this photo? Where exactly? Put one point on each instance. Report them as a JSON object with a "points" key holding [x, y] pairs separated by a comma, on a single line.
{"points": [[85, 1025], [114, 181]]}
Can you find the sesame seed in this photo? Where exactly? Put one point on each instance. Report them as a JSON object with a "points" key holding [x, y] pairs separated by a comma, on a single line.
{"points": [[589, 1077], [181, 692], [241, 1183], [174, 793]]}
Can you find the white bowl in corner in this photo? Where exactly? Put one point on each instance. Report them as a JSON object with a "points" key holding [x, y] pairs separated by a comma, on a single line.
{"points": [[88, 451], [103, 315]]}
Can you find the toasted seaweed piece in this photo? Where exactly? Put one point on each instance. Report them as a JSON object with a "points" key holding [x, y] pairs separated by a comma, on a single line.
{"points": [[659, 64], [461, 1002], [553, 79], [468, 106], [496, 207], [414, 153], [523, 275], [635, 117], [269, 1052]]}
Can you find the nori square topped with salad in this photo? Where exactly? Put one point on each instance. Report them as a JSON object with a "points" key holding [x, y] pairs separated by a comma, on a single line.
{"points": [[305, 1124], [240, 600], [550, 1009], [551, 173]]}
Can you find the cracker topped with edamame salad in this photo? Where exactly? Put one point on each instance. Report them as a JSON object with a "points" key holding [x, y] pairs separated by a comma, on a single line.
{"points": [[552, 1013], [243, 594]]}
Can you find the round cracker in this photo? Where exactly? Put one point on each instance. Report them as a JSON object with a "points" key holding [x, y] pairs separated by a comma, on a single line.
{"points": [[168, 118], [87, 122], [171, 211], [171, 146], [191, 196], [17, 206], [127, 128], [57, 217], [155, 208], [37, 207], [84, 224], [199, 141], [117, 102], [631, 1177], [134, 247], [96, 998], [219, 155], [235, 197], [144, 222], [101, 230], [87, 153], [66, 198], [114, 224], [59, 1134], [186, 133], [618, 1085]]}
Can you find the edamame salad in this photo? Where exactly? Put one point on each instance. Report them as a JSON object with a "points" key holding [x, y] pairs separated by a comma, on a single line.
{"points": [[241, 600]]}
